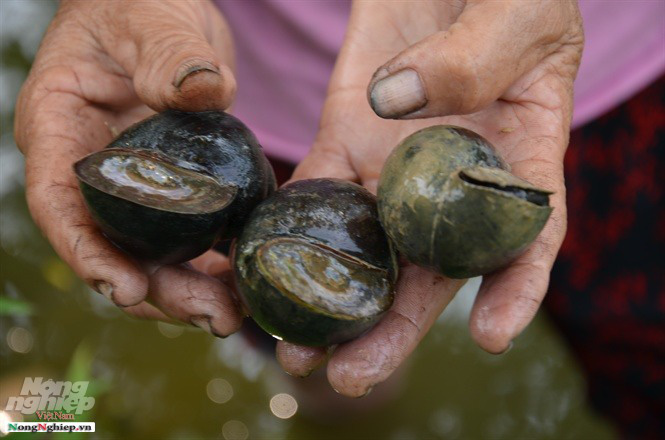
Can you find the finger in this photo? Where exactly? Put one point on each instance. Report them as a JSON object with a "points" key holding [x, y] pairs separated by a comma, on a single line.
{"points": [[196, 299], [212, 263], [298, 360], [59, 211], [470, 65], [145, 310], [323, 162], [218, 266], [56, 204], [356, 366], [182, 55], [509, 299]]}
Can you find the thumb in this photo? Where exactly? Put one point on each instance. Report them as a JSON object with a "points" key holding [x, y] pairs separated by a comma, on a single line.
{"points": [[470, 65], [196, 84], [183, 52]]}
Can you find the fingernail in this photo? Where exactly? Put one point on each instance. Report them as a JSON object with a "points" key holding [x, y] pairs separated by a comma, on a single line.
{"points": [[398, 94], [105, 289], [369, 390], [203, 322], [508, 348], [217, 334], [189, 69], [299, 376], [306, 374]]}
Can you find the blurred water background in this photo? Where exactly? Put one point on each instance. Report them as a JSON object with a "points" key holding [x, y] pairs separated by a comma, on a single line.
{"points": [[155, 380]]}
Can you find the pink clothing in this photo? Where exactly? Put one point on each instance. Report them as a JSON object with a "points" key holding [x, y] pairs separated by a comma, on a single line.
{"points": [[286, 51], [624, 52]]}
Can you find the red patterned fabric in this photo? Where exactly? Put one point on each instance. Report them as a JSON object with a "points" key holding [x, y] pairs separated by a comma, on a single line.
{"points": [[607, 293]]}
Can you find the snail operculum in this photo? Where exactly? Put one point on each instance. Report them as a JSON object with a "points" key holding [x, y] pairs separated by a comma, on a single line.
{"points": [[487, 218], [149, 180], [170, 187], [313, 265], [323, 279], [506, 184]]}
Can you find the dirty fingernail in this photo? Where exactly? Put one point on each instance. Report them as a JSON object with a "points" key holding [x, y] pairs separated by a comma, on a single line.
{"points": [[189, 69], [105, 289], [398, 94]]}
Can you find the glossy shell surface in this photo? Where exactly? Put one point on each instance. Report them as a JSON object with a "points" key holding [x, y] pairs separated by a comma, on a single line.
{"points": [[313, 264], [168, 188]]}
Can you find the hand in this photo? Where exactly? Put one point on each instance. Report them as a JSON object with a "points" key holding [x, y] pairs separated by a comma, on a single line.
{"points": [[101, 67], [504, 69]]}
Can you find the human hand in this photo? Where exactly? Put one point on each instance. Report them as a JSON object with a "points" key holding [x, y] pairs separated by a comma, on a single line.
{"points": [[504, 69], [101, 67]]}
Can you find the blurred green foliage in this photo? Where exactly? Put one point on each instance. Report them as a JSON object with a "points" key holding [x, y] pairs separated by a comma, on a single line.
{"points": [[14, 307]]}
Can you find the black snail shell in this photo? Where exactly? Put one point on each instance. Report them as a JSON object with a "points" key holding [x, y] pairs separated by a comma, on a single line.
{"points": [[168, 188], [449, 203], [313, 264]]}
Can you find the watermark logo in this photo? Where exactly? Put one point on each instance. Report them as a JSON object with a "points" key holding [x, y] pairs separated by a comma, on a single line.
{"points": [[51, 399], [49, 427]]}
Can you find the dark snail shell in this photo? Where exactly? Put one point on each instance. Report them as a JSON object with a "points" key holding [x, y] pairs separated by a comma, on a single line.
{"points": [[449, 203], [313, 264], [168, 188]]}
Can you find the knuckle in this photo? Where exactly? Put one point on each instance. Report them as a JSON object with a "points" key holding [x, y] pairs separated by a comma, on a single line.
{"points": [[404, 323], [175, 46], [82, 244], [39, 84], [463, 68], [54, 78], [162, 60]]}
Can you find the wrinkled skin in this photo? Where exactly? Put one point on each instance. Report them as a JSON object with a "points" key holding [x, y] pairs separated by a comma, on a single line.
{"points": [[507, 67], [101, 67]]}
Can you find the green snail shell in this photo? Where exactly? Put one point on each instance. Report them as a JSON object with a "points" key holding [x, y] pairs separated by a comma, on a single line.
{"points": [[449, 203], [170, 187], [313, 264]]}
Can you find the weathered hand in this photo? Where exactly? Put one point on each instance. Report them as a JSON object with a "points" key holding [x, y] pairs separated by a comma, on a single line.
{"points": [[101, 67], [504, 69]]}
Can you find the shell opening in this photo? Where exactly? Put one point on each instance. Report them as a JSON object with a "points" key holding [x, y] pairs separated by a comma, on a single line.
{"points": [[153, 181], [529, 194], [325, 279]]}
